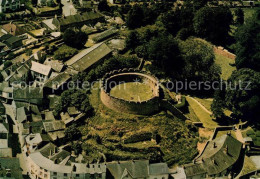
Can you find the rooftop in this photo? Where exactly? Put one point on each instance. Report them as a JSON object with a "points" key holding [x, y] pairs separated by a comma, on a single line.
{"points": [[88, 57]]}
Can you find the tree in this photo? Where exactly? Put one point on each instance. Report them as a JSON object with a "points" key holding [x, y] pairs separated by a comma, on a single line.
{"points": [[64, 53], [76, 39], [34, 2], [134, 17], [199, 58], [165, 56], [29, 52], [2, 16], [7, 64], [242, 95], [218, 104], [76, 146], [74, 97], [248, 45], [213, 24], [132, 40], [239, 16], [103, 6], [72, 133]]}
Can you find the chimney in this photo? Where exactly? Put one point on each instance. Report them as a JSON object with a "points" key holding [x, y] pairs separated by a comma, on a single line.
{"points": [[73, 153], [215, 145], [202, 160], [214, 161], [74, 168]]}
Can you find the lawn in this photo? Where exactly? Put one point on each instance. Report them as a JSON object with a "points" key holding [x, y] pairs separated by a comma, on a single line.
{"points": [[203, 116], [205, 102], [133, 91], [224, 63]]}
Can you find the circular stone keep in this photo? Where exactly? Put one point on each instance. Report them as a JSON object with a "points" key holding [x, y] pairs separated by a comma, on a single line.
{"points": [[130, 91]]}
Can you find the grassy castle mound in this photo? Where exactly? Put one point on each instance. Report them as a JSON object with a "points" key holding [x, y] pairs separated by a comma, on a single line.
{"points": [[111, 135]]}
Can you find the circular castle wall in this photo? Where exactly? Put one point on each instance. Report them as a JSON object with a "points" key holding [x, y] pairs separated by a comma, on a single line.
{"points": [[117, 77]]}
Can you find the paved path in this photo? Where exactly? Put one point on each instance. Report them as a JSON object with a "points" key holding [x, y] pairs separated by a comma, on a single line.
{"points": [[205, 109], [68, 8]]}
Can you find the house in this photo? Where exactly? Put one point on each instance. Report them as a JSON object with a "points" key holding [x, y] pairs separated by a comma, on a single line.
{"points": [[35, 141], [11, 41], [218, 159], [89, 57], [57, 82], [137, 169], [33, 95], [5, 151], [105, 35], [40, 73], [51, 25], [51, 162], [6, 91], [79, 20], [12, 29], [9, 5], [55, 65]]}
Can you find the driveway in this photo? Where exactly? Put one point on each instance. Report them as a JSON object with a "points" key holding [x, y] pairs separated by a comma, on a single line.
{"points": [[68, 8]]}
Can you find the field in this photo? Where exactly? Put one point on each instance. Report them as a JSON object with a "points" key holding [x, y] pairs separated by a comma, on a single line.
{"points": [[120, 136], [132, 91], [205, 102], [202, 115], [224, 63]]}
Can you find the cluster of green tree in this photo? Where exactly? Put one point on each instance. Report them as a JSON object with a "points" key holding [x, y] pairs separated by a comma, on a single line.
{"points": [[139, 16], [113, 63], [191, 59], [64, 53], [73, 98], [75, 38], [2, 16], [191, 19], [242, 92]]}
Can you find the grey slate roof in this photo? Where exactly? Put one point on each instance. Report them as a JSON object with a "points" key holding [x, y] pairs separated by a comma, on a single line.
{"points": [[88, 57], [214, 159], [158, 169], [137, 169], [28, 93]]}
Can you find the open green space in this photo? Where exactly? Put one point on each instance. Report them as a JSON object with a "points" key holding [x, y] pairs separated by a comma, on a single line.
{"points": [[225, 65], [120, 136], [132, 91], [205, 102], [202, 115], [255, 135]]}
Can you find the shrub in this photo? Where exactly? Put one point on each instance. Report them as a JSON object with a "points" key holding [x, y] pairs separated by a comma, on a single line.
{"points": [[64, 53]]}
